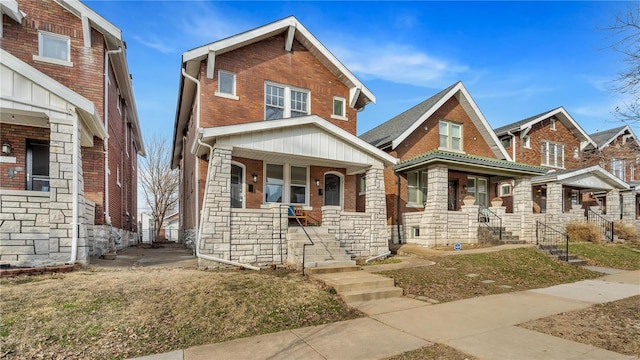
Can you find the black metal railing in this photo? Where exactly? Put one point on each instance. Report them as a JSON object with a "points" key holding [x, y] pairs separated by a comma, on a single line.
{"points": [[552, 241], [601, 222], [491, 221], [304, 246]]}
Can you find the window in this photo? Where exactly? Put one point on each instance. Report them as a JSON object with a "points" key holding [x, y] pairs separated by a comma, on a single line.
{"points": [[552, 154], [284, 102], [298, 185], [339, 109], [415, 232], [477, 187], [632, 172], [617, 168], [505, 190], [450, 136], [576, 153], [363, 185], [417, 182], [237, 186], [226, 85], [506, 142], [552, 124], [54, 48], [526, 142], [37, 165], [275, 183]]}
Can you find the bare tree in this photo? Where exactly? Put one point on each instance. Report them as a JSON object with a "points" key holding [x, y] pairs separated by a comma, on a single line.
{"points": [[159, 182], [626, 30]]}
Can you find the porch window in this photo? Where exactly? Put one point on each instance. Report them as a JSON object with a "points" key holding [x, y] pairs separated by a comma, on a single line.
{"points": [[54, 46], [284, 102], [417, 188], [450, 135], [37, 165], [552, 154], [617, 168], [274, 183], [298, 185], [477, 187], [505, 190]]}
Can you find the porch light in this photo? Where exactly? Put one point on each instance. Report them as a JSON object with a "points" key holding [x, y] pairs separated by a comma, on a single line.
{"points": [[254, 177], [318, 182], [6, 148]]}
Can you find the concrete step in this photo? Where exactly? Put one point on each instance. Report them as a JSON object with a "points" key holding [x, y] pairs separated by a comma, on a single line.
{"points": [[311, 250], [578, 262], [365, 295], [328, 263], [332, 269], [328, 243], [354, 281], [324, 258]]}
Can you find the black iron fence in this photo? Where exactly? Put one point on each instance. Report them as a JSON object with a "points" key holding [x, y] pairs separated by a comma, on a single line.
{"points": [[490, 221], [552, 241], [602, 223]]}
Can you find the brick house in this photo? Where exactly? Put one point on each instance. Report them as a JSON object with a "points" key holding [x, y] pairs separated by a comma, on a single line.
{"points": [[448, 152], [266, 120], [70, 135], [574, 182]]}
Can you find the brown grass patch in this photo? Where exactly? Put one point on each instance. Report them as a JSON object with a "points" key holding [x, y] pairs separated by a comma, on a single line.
{"points": [[625, 231], [584, 231]]}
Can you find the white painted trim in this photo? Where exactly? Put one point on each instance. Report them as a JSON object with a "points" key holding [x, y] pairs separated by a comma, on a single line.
{"points": [[12, 10], [52, 61], [234, 83], [591, 170], [342, 183], [344, 108], [86, 31], [226, 96], [244, 184]]}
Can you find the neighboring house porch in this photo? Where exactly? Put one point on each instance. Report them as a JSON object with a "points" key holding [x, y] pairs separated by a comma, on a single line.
{"points": [[257, 171]]}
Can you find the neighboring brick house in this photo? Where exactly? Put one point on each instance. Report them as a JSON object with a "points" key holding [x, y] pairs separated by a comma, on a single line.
{"points": [[70, 134], [574, 182], [267, 119], [448, 151]]}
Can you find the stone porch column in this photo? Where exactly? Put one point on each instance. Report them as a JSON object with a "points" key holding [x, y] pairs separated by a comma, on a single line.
{"points": [[628, 206], [613, 204], [375, 204], [61, 192], [216, 208], [523, 208], [434, 219]]}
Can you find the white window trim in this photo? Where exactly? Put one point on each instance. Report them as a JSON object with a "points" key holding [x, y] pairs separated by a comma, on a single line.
{"points": [[621, 169], [632, 172], [226, 95], [55, 61], [118, 101], [552, 124], [419, 187], [502, 193], [526, 142], [244, 182], [448, 147], [118, 177], [363, 185], [287, 98], [286, 186], [341, 176], [544, 161], [344, 108]]}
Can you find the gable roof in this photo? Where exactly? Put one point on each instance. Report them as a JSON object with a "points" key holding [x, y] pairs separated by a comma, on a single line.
{"points": [[394, 131], [604, 138], [594, 177], [523, 126], [359, 94]]}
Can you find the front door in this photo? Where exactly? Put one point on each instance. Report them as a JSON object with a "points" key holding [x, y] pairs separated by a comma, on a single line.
{"points": [[332, 187], [452, 204], [237, 186]]}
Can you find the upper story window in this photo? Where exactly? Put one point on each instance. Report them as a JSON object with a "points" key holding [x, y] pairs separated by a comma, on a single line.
{"points": [[526, 142], [450, 135], [226, 85], [506, 142], [552, 124], [552, 154], [282, 101], [54, 48], [617, 168], [632, 172], [339, 108], [417, 182]]}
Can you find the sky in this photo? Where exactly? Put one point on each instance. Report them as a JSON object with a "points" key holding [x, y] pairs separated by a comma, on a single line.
{"points": [[517, 59]]}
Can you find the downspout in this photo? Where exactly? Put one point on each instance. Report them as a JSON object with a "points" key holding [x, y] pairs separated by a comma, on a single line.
{"points": [[196, 164], [513, 145], [75, 194], [107, 217], [398, 213], [199, 234]]}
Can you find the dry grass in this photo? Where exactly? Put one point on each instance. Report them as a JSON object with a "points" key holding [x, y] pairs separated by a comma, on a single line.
{"points": [[617, 256], [435, 351], [625, 231], [613, 326], [121, 314], [510, 270], [584, 231]]}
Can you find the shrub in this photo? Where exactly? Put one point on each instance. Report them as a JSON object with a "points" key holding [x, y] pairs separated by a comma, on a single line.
{"points": [[625, 231], [584, 231]]}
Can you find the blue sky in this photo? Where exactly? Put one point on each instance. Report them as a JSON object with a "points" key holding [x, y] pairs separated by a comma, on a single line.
{"points": [[517, 59]]}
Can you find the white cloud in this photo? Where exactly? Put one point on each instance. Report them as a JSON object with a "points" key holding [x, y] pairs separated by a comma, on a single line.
{"points": [[401, 64], [205, 24], [524, 92], [154, 43]]}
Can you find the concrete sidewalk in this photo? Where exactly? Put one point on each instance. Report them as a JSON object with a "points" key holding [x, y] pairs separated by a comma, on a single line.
{"points": [[484, 327]]}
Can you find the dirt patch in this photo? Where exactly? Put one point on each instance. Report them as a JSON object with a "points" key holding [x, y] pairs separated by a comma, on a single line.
{"points": [[435, 351], [613, 326]]}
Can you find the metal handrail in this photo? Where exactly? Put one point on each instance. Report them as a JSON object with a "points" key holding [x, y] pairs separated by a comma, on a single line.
{"points": [[304, 246], [601, 222], [490, 219], [552, 239]]}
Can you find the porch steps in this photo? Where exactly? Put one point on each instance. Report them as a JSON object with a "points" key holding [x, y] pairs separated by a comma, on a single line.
{"points": [[354, 286], [559, 254], [325, 253], [490, 235]]}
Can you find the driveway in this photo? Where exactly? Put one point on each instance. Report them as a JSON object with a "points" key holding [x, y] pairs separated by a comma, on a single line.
{"points": [[166, 255]]}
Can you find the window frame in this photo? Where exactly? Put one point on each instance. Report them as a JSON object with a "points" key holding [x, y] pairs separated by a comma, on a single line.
{"points": [[449, 136], [618, 172], [502, 188], [526, 142], [305, 186], [545, 156], [287, 108], [343, 108], [287, 183], [233, 95], [420, 188], [552, 124], [44, 35]]}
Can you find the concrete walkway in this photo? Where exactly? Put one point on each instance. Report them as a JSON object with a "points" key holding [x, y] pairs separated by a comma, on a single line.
{"points": [[484, 327]]}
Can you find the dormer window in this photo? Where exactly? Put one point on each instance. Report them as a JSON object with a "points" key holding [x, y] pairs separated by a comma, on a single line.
{"points": [[284, 102], [226, 85], [54, 48]]}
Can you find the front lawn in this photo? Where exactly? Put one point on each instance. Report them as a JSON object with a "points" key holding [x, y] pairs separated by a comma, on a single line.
{"points": [[465, 276], [617, 256]]}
